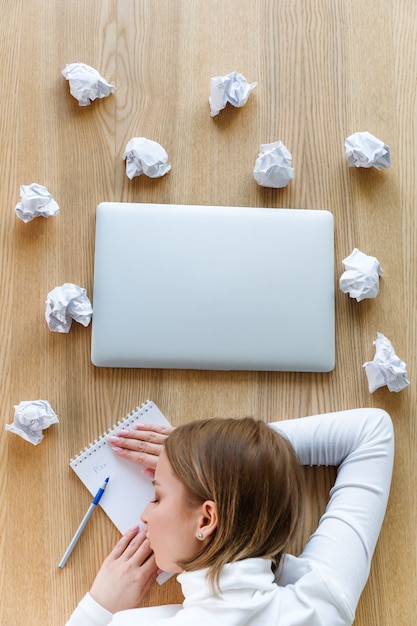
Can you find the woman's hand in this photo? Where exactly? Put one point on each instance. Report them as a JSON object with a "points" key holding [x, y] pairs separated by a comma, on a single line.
{"points": [[127, 573], [143, 444]]}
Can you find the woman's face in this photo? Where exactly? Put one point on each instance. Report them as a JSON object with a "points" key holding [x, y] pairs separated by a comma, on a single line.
{"points": [[172, 526]]}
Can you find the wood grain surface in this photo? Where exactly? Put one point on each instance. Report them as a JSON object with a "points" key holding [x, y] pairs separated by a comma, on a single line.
{"points": [[325, 69]]}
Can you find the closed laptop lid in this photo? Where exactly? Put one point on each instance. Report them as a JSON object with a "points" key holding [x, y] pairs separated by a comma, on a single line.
{"points": [[209, 287]]}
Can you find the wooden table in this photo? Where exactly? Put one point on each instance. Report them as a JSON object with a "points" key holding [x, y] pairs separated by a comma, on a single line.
{"points": [[325, 69]]}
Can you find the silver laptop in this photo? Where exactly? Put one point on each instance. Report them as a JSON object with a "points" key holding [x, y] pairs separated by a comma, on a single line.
{"points": [[213, 287]]}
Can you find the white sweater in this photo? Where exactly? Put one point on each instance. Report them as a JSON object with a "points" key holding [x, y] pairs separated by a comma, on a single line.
{"points": [[323, 585]]}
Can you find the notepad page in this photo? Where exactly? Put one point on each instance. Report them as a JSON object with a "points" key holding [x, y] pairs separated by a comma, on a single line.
{"points": [[128, 491]]}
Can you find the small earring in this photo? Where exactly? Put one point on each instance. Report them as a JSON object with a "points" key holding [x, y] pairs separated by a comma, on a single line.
{"points": [[200, 536]]}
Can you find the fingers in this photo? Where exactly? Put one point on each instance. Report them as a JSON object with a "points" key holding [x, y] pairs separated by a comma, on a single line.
{"points": [[147, 460], [133, 545], [128, 441], [122, 544], [149, 573], [141, 445], [138, 549], [149, 473], [155, 433]]}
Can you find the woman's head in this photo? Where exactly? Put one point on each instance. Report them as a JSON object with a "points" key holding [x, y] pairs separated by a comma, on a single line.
{"points": [[244, 481]]}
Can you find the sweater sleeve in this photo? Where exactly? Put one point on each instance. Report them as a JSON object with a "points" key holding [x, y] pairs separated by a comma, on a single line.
{"points": [[361, 444], [89, 613]]}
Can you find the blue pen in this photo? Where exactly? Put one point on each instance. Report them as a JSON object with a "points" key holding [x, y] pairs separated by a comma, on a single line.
{"points": [[83, 524]]}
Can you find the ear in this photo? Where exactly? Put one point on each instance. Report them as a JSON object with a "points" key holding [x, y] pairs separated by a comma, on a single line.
{"points": [[207, 520]]}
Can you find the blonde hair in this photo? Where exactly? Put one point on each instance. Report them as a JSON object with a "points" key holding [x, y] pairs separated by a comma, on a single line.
{"points": [[252, 474]]}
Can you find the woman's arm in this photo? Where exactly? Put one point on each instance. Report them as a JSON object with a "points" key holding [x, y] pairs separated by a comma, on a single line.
{"points": [[361, 443]]}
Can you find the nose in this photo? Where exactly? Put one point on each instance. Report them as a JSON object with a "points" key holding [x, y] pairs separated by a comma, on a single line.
{"points": [[144, 516]]}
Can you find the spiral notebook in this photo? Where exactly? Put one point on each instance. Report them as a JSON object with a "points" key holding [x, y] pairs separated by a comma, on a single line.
{"points": [[128, 491]]}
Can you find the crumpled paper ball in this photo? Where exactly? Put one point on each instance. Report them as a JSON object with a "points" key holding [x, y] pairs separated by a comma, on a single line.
{"points": [[365, 150], [31, 417], [86, 84], [36, 201], [66, 303], [273, 166], [361, 276], [232, 88], [386, 368], [144, 156]]}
